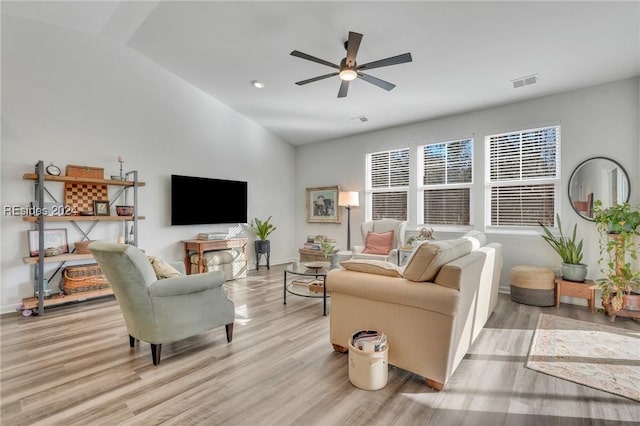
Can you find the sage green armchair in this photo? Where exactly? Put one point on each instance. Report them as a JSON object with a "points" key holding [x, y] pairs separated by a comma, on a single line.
{"points": [[166, 310]]}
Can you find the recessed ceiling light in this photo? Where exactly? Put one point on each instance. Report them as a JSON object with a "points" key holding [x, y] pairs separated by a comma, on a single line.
{"points": [[257, 84]]}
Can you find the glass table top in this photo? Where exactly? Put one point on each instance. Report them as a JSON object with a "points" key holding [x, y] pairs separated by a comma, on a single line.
{"points": [[309, 268]]}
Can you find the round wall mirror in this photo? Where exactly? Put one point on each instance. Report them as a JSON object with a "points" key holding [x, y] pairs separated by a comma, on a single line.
{"points": [[597, 178]]}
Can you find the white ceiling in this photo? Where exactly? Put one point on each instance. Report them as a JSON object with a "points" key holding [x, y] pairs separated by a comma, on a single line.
{"points": [[464, 53]]}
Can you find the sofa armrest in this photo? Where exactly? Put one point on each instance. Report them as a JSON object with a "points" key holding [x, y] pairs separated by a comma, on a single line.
{"points": [[393, 256], [186, 284]]}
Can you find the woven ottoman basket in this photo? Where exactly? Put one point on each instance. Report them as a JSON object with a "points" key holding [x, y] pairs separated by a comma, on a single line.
{"points": [[532, 285]]}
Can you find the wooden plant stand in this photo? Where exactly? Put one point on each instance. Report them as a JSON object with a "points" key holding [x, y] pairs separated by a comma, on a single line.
{"points": [[585, 290], [628, 313]]}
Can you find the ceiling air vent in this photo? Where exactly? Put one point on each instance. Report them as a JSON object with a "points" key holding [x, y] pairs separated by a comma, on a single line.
{"points": [[524, 81]]}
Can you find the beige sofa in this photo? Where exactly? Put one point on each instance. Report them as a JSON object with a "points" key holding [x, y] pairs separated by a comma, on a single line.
{"points": [[431, 310]]}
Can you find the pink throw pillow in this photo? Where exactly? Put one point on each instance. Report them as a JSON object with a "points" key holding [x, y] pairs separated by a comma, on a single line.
{"points": [[378, 243]]}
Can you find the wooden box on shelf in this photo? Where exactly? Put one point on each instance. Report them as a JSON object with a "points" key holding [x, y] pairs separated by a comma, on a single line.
{"points": [[85, 171], [316, 286], [307, 255]]}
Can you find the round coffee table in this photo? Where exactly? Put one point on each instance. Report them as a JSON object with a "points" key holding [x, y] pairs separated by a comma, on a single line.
{"points": [[300, 286]]}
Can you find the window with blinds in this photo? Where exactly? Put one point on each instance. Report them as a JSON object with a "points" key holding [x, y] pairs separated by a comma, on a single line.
{"points": [[523, 177], [388, 184], [445, 173]]}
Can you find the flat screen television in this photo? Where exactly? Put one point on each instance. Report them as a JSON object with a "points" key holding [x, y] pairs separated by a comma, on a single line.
{"points": [[198, 200]]}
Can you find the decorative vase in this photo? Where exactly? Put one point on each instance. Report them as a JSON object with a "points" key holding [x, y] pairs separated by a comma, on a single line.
{"points": [[576, 273], [333, 261]]}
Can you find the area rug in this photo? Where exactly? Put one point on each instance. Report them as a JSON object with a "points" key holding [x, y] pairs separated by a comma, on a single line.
{"points": [[595, 355]]}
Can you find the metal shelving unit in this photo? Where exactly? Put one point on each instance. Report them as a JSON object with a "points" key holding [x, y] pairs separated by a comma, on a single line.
{"points": [[130, 228]]}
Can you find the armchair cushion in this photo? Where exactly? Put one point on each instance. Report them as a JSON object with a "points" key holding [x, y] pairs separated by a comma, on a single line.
{"points": [[378, 243], [187, 284], [162, 269], [376, 267], [427, 259]]}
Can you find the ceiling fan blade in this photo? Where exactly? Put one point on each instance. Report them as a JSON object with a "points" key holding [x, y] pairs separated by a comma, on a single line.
{"points": [[344, 88], [353, 44], [376, 81], [320, 77], [313, 59], [394, 60]]}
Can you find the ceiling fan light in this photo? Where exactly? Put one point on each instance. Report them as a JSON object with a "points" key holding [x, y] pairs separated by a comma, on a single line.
{"points": [[348, 74]]}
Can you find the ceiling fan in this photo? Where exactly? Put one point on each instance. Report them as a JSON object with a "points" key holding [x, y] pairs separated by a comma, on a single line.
{"points": [[348, 69]]}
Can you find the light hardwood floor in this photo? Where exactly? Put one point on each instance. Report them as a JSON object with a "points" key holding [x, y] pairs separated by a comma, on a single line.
{"points": [[73, 366]]}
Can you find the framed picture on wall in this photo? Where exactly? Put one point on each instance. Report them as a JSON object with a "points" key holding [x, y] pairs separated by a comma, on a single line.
{"points": [[322, 205], [101, 208]]}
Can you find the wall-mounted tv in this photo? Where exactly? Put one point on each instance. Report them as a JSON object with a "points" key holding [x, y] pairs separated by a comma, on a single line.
{"points": [[198, 200]]}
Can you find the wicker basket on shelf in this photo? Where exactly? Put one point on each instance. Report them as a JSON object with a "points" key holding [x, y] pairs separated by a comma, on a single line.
{"points": [[79, 278]]}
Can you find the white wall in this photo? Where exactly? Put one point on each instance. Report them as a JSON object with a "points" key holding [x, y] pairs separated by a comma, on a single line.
{"points": [[74, 98], [596, 121]]}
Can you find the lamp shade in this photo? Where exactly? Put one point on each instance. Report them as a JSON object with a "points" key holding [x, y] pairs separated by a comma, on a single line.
{"points": [[348, 198]]}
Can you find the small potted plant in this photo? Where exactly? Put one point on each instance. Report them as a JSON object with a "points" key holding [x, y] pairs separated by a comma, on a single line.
{"points": [[569, 250], [618, 225], [328, 248], [262, 229]]}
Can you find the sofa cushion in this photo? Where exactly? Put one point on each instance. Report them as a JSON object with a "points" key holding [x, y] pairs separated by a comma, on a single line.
{"points": [[477, 238], [377, 267], [378, 243], [163, 269], [427, 259]]}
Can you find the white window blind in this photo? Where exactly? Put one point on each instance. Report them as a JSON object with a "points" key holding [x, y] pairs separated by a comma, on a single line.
{"points": [[387, 184], [523, 177], [446, 171]]}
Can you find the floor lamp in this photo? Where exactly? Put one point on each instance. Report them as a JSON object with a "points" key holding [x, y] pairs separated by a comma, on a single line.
{"points": [[348, 199]]}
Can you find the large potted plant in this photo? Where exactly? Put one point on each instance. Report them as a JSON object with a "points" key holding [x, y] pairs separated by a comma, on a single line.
{"points": [[262, 229], [618, 225], [569, 250]]}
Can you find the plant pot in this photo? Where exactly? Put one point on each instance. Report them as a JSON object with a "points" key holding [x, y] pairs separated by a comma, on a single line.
{"points": [[333, 261], [263, 246], [631, 302], [263, 249], [576, 273]]}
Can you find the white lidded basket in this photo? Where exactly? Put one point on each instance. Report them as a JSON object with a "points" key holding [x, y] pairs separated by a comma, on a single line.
{"points": [[368, 370]]}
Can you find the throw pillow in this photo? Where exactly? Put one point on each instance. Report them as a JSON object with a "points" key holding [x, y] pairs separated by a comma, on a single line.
{"points": [[377, 267], [477, 238], [162, 268], [427, 259], [378, 243]]}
